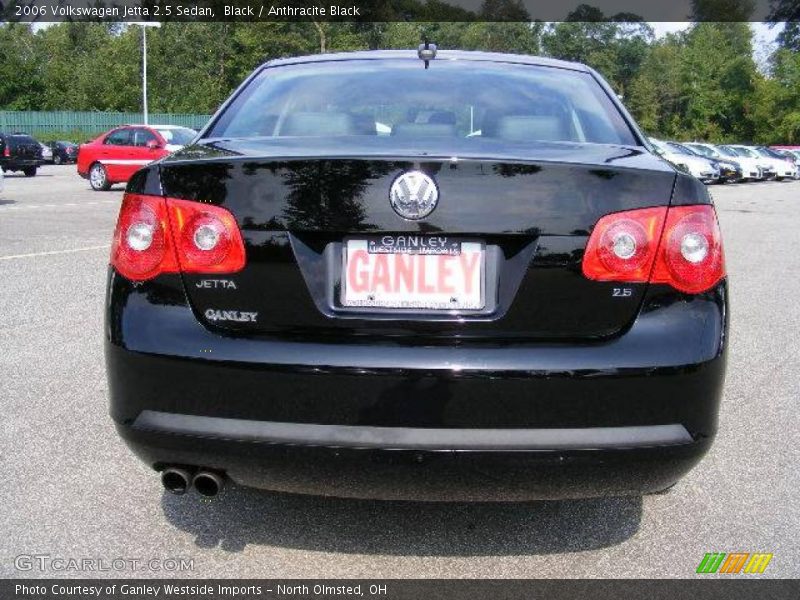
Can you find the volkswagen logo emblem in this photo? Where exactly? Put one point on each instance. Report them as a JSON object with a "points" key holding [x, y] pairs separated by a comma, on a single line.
{"points": [[414, 195]]}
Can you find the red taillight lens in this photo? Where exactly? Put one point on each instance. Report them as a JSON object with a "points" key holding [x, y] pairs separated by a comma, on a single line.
{"points": [[142, 246], [6, 152], [157, 235], [207, 238], [680, 246], [690, 258], [623, 245]]}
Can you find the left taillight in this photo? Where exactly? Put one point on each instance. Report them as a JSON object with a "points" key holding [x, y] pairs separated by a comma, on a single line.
{"points": [[156, 235], [207, 238]]}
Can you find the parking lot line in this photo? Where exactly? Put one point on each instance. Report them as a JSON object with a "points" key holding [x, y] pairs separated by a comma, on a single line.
{"points": [[67, 204], [54, 252]]}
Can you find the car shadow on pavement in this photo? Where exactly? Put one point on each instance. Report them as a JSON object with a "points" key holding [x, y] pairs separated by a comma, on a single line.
{"points": [[243, 516]]}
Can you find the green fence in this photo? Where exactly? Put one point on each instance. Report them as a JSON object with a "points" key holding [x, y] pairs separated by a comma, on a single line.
{"points": [[41, 123]]}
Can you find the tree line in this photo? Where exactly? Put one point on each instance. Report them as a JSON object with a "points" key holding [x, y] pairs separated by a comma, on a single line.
{"points": [[702, 83]]}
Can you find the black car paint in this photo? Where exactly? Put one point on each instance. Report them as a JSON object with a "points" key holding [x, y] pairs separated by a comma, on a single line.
{"points": [[294, 214], [64, 152], [655, 358], [25, 153]]}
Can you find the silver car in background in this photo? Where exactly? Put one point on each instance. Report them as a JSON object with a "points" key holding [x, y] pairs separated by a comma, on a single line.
{"points": [[751, 164], [702, 169]]}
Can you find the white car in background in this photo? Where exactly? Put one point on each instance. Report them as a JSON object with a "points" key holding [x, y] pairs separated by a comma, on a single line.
{"points": [[47, 153], [784, 167], [751, 166], [769, 165], [793, 155], [698, 166], [730, 170]]}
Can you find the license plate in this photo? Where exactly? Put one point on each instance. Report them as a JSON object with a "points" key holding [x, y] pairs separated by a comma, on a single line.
{"points": [[413, 272]]}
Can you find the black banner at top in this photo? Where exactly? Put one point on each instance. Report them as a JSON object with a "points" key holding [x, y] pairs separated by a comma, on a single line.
{"points": [[398, 10]]}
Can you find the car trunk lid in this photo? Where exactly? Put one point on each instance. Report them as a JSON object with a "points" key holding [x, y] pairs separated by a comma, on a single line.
{"points": [[299, 202]]}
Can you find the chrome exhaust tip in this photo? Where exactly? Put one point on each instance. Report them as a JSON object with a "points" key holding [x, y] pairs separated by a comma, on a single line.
{"points": [[208, 483], [176, 480]]}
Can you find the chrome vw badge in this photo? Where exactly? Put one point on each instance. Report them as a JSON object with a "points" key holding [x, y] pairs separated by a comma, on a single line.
{"points": [[414, 195]]}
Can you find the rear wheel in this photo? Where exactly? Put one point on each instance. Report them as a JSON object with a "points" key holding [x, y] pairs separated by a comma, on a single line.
{"points": [[56, 160], [98, 178], [29, 171]]}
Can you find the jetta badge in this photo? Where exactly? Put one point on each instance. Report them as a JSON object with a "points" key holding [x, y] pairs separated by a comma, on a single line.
{"points": [[414, 195]]}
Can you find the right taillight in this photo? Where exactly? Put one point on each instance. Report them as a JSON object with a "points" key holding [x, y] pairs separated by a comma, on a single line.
{"points": [[157, 235], [680, 246], [690, 258]]}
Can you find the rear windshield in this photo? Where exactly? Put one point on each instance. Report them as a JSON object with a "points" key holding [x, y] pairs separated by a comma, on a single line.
{"points": [[452, 100], [18, 140]]}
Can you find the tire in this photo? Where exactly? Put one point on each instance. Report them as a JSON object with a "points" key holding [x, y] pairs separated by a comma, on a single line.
{"points": [[29, 171], [98, 178], [56, 160]]}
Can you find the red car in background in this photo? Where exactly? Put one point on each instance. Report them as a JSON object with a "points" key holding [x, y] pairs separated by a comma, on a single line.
{"points": [[117, 154]]}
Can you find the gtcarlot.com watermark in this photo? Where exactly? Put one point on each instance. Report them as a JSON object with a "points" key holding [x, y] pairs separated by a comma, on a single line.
{"points": [[86, 564]]}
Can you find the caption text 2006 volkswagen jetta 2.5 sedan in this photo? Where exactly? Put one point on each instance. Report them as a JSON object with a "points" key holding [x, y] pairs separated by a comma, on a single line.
{"points": [[463, 277]]}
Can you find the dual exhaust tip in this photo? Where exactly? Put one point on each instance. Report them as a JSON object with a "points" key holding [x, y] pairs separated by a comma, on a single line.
{"points": [[178, 480]]}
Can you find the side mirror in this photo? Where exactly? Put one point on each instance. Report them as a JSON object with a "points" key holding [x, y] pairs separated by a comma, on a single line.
{"points": [[153, 145]]}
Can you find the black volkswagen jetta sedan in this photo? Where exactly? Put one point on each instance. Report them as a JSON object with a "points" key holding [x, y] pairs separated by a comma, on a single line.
{"points": [[370, 276]]}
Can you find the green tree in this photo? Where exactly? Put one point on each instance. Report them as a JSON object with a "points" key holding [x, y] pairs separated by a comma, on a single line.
{"points": [[616, 47], [717, 77], [776, 105], [655, 97], [21, 84]]}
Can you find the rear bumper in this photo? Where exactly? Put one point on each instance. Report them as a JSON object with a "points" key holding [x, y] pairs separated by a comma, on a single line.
{"points": [[483, 474], [17, 164], [538, 420]]}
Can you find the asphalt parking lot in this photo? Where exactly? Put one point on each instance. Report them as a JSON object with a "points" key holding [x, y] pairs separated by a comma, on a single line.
{"points": [[72, 490]]}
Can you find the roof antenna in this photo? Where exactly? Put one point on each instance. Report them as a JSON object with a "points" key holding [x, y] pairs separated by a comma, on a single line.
{"points": [[426, 51]]}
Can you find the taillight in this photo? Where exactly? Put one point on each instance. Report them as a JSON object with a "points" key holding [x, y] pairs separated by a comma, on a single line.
{"points": [[690, 258], [6, 152], [207, 238], [142, 246], [157, 235], [623, 245], [680, 246]]}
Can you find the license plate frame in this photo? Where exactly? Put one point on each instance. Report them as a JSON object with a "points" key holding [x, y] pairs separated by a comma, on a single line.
{"points": [[445, 245]]}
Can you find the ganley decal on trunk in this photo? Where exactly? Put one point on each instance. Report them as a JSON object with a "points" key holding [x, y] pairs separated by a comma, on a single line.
{"points": [[231, 315]]}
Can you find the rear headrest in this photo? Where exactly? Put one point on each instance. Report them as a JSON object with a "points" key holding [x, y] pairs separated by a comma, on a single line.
{"points": [[364, 124], [422, 130], [318, 124], [523, 128]]}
